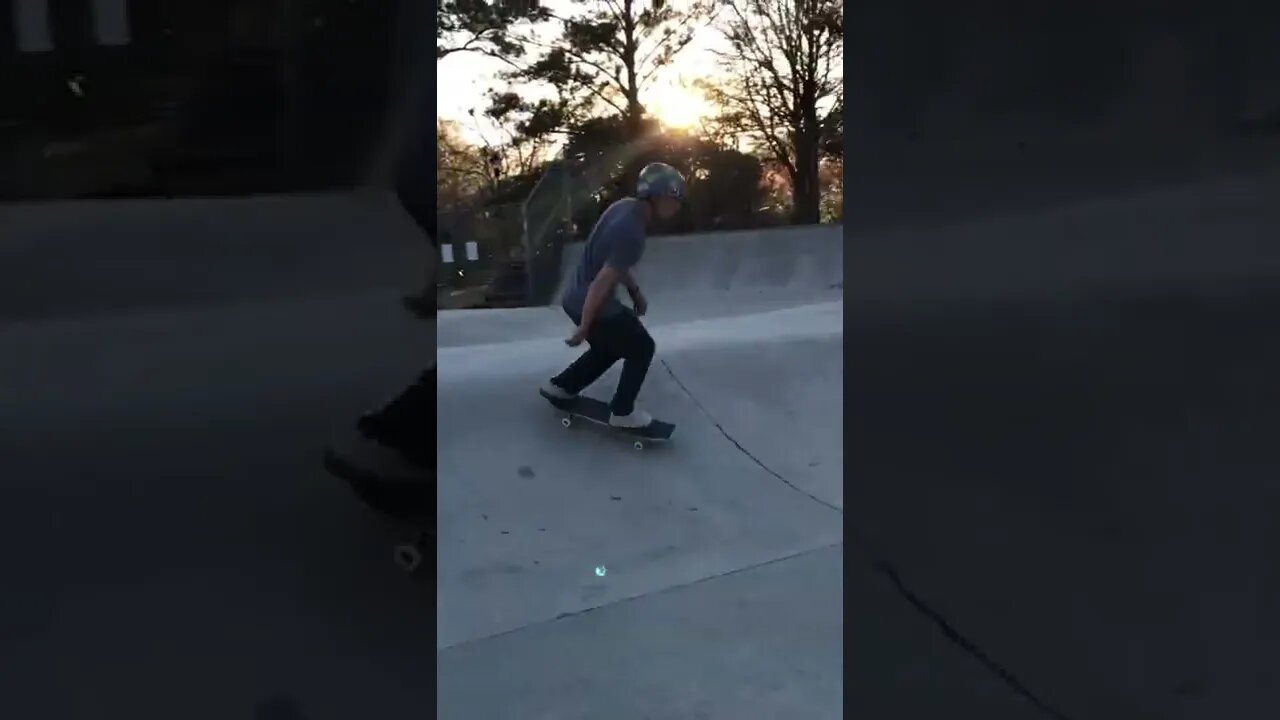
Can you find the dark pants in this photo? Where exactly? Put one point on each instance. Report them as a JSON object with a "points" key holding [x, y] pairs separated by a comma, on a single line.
{"points": [[407, 422], [613, 338]]}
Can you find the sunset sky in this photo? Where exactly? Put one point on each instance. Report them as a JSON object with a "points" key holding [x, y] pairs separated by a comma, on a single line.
{"points": [[463, 79]]}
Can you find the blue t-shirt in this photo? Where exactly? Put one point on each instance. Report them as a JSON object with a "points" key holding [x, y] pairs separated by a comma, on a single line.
{"points": [[618, 240]]}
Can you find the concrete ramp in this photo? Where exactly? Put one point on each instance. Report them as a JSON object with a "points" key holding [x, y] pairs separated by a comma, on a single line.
{"points": [[94, 258], [1065, 427], [1195, 236], [539, 524], [779, 399], [580, 578], [795, 261]]}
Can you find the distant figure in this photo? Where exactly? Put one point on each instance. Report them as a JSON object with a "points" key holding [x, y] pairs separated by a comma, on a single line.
{"points": [[613, 331]]}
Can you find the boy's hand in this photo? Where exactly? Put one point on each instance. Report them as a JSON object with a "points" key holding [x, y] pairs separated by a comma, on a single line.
{"points": [[579, 334], [640, 302]]}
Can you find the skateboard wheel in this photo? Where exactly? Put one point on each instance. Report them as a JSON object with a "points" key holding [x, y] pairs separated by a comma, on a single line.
{"points": [[638, 445], [408, 556], [567, 421]]}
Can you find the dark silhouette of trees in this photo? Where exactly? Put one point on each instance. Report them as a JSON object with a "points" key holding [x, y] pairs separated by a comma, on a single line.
{"points": [[605, 56], [784, 85]]}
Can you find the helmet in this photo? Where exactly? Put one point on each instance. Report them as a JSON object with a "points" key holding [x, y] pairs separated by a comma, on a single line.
{"points": [[660, 180]]}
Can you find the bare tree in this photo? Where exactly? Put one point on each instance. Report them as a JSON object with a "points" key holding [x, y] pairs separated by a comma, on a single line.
{"points": [[784, 85], [510, 153], [463, 170]]}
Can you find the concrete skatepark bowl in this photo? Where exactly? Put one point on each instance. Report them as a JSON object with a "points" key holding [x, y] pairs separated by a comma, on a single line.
{"points": [[583, 575]]}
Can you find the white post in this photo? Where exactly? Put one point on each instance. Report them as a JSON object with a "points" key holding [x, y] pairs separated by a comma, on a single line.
{"points": [[31, 19], [111, 22]]}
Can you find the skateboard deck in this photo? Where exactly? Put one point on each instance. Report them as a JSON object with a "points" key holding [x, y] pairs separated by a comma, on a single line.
{"points": [[595, 411]]}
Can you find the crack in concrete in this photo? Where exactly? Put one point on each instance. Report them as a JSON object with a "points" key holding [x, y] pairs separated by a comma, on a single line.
{"points": [[747, 453], [887, 569], [641, 596], [953, 635]]}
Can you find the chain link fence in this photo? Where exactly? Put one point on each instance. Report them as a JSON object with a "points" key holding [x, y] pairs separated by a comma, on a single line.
{"points": [[508, 255], [548, 224], [482, 257]]}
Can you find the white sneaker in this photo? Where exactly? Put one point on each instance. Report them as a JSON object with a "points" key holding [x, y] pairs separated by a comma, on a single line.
{"points": [[637, 419], [550, 390]]}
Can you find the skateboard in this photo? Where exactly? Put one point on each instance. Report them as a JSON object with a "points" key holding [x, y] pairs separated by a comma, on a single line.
{"points": [[403, 501], [595, 411]]}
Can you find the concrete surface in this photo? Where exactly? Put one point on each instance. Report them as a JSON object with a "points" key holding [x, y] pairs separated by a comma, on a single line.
{"points": [[576, 499], [1195, 236], [720, 552], [1060, 500], [1062, 443], [805, 259], [169, 372], [1087, 491], [85, 258], [172, 547], [1061, 403], [743, 644]]}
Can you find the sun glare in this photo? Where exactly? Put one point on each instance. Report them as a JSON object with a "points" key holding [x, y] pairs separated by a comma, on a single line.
{"points": [[676, 107]]}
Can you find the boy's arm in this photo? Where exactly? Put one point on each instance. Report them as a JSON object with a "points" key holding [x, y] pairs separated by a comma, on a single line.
{"points": [[629, 283], [638, 301], [600, 288], [627, 255], [617, 270]]}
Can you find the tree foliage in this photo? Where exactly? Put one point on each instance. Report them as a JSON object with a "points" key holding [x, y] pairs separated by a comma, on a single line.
{"points": [[483, 26], [579, 80], [471, 174], [784, 86], [603, 57], [725, 190]]}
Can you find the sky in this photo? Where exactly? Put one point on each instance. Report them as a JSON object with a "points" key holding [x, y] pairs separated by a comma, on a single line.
{"points": [[464, 78]]}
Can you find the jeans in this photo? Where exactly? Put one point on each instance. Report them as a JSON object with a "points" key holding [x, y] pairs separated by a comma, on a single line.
{"points": [[611, 338], [407, 422]]}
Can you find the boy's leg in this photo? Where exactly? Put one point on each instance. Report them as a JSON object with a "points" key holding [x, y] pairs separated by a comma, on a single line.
{"points": [[585, 370], [596, 361], [636, 347], [397, 440], [390, 454], [405, 423]]}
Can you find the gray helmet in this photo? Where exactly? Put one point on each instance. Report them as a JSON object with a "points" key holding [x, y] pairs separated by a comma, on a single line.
{"points": [[660, 180]]}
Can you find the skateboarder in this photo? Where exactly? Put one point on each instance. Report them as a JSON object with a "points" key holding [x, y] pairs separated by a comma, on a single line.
{"points": [[613, 331], [397, 442]]}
